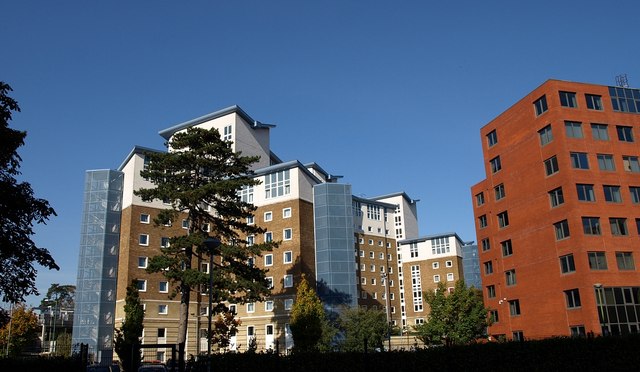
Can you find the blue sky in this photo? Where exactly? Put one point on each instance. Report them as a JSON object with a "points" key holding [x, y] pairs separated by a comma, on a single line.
{"points": [[391, 95]]}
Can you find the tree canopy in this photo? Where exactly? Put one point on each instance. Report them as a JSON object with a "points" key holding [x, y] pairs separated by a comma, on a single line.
{"points": [[200, 177], [359, 325], [307, 318], [60, 296], [455, 318], [19, 211], [21, 332], [127, 339]]}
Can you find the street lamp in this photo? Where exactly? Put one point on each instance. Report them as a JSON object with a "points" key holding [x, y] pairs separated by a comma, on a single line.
{"points": [[211, 244], [386, 296], [600, 299]]}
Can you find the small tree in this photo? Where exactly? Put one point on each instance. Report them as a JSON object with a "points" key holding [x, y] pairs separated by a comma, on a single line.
{"points": [[359, 325], [60, 296], [21, 331], [63, 345], [455, 318], [223, 328], [127, 340], [307, 318]]}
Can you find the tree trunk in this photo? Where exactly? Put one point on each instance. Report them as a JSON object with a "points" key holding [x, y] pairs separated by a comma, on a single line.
{"points": [[184, 313]]}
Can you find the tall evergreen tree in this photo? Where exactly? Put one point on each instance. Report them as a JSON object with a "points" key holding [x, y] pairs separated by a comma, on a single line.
{"points": [[200, 177], [127, 340], [19, 210], [455, 318], [307, 318]]}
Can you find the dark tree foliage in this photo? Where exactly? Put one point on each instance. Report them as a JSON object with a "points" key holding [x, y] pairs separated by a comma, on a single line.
{"points": [[127, 339], [19, 210], [359, 325], [60, 296], [201, 176]]}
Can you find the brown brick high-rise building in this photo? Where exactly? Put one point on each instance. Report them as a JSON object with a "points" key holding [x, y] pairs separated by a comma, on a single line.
{"points": [[558, 216]]}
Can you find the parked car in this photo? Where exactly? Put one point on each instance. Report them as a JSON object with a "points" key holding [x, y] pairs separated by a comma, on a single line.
{"points": [[153, 368], [103, 368]]}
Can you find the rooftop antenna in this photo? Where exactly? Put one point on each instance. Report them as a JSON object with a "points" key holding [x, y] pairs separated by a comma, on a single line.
{"points": [[622, 81]]}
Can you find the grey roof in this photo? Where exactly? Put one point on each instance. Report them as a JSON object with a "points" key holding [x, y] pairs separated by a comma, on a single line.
{"points": [[373, 201], [284, 166], [429, 237], [400, 193], [136, 150], [317, 167], [167, 133]]}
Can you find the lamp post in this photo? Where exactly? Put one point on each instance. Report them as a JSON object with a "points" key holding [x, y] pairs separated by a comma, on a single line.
{"points": [[211, 244], [604, 327], [386, 296]]}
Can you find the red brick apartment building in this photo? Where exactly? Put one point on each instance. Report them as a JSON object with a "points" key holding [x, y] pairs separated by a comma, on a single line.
{"points": [[558, 215]]}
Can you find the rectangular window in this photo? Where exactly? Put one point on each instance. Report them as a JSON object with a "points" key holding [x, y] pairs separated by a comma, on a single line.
{"points": [[163, 287], [286, 213], [288, 281], [268, 216], [612, 194], [246, 194], [250, 240], [594, 102], [567, 264], [551, 165], [435, 265], [436, 278], [541, 105], [556, 197], [488, 268], [514, 307], [495, 164], [251, 307], [486, 245], [250, 220], [268, 260], [561, 229], [585, 192], [493, 315], [162, 332], [450, 277], [568, 99], [185, 224], [163, 309], [618, 226], [288, 304], [624, 99], [510, 277], [492, 138], [373, 212], [597, 260], [573, 298], [503, 219], [499, 191], [579, 160], [268, 237], [227, 134], [507, 248], [165, 242], [287, 257], [142, 262], [479, 199], [141, 284], [591, 225], [268, 306], [491, 291], [625, 133], [625, 261], [144, 218], [277, 184], [600, 132], [287, 234], [605, 162], [546, 135], [635, 194], [482, 221], [631, 164], [448, 263], [143, 239], [573, 129], [577, 331]]}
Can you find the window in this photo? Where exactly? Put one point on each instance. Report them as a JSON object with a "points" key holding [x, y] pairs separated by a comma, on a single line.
{"points": [[246, 194], [618, 226], [448, 263], [577, 331], [597, 261], [499, 191], [373, 280], [163, 309], [143, 239], [546, 135], [287, 257], [269, 282], [286, 213], [585, 192], [568, 99], [486, 245], [567, 265], [495, 164], [517, 335], [450, 277], [370, 243], [277, 184], [250, 240], [141, 284], [488, 268], [600, 132], [514, 307], [591, 225], [288, 281], [625, 261], [631, 164], [593, 102], [268, 306], [503, 219], [562, 229], [579, 160], [162, 332], [551, 165], [288, 304], [373, 212], [361, 251], [492, 138], [541, 105], [142, 262], [251, 220], [164, 242], [482, 221], [226, 135], [573, 129], [635, 194], [612, 194], [556, 197], [372, 254], [493, 315], [638, 225], [510, 277], [204, 267], [573, 298], [185, 224], [491, 291], [436, 278], [435, 265], [287, 234], [206, 227], [624, 99], [268, 237], [605, 162], [507, 248], [363, 281], [268, 260], [251, 307], [163, 287], [480, 199], [268, 216], [625, 134], [144, 218]]}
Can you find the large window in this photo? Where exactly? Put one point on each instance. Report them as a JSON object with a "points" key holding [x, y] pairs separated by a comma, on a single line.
{"points": [[573, 298], [573, 129], [585, 192], [556, 197], [599, 132], [562, 229], [618, 226], [594, 102], [492, 138], [541, 105], [635, 194], [625, 261], [625, 99], [277, 184], [546, 135], [631, 164], [373, 212], [507, 248], [568, 99], [551, 165], [567, 264], [612, 194], [416, 288], [499, 191], [597, 260], [625, 133], [591, 225], [579, 160], [605, 162], [503, 219], [495, 163]]}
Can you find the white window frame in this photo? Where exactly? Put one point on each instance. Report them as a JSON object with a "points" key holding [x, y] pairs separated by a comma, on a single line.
{"points": [[146, 238], [268, 216], [160, 286], [146, 262], [450, 277], [288, 278], [251, 307], [185, 224], [284, 257], [251, 220], [162, 307], [448, 263], [436, 278], [144, 285], [286, 212], [268, 237], [270, 281], [268, 305], [435, 265], [145, 218], [288, 231], [268, 257], [288, 303]]}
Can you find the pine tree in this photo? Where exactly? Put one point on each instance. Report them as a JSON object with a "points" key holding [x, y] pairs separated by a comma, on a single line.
{"points": [[127, 340], [307, 318]]}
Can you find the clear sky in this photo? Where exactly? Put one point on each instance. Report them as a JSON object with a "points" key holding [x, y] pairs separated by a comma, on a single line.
{"points": [[389, 94]]}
